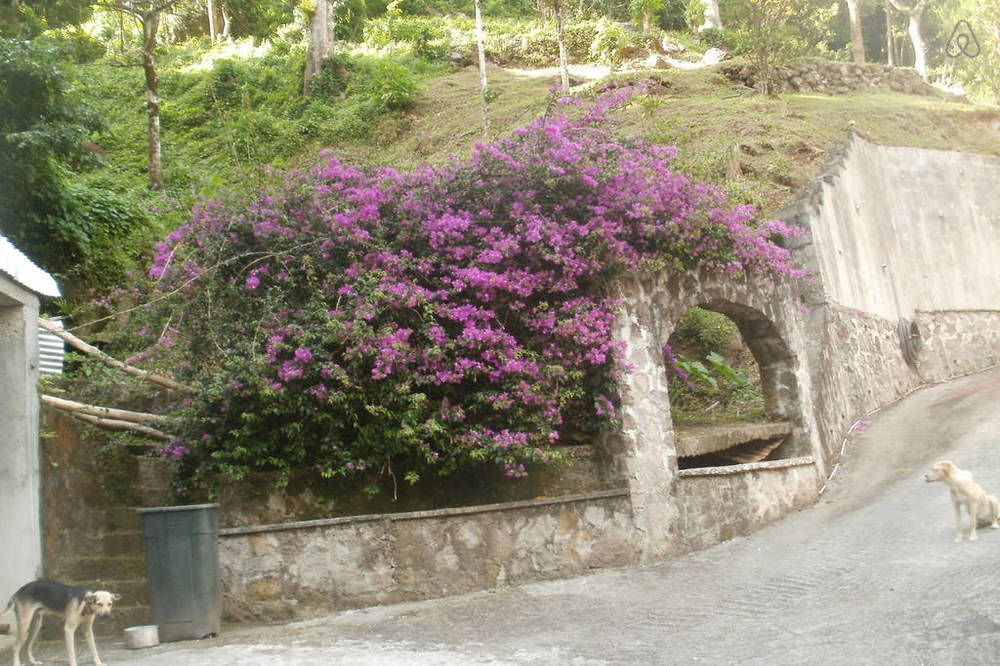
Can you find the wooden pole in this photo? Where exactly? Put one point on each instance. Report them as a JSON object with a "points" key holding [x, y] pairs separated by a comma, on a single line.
{"points": [[98, 411], [90, 350]]}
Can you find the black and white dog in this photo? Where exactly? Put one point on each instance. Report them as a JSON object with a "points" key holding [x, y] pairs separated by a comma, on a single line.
{"points": [[78, 605]]}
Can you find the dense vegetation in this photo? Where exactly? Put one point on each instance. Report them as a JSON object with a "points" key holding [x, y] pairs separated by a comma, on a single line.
{"points": [[347, 319], [73, 176], [344, 317]]}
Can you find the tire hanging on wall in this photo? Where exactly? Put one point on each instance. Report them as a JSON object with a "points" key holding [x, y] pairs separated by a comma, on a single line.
{"points": [[909, 341]]}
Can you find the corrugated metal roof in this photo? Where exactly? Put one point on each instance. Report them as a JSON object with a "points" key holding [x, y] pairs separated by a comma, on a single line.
{"points": [[21, 269], [50, 352]]}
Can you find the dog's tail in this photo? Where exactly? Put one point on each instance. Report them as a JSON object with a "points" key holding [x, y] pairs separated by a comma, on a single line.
{"points": [[10, 604]]}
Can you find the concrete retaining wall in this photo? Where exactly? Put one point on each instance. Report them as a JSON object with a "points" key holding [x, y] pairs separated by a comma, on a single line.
{"points": [[896, 230], [897, 233]]}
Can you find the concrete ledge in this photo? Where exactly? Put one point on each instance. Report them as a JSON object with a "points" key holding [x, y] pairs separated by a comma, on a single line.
{"points": [[729, 470], [699, 440], [421, 515]]}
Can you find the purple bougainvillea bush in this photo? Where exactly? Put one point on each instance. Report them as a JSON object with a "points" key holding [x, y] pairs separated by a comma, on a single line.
{"points": [[349, 319]]}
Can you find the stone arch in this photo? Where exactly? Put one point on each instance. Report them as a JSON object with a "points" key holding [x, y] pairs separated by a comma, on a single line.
{"points": [[775, 361], [770, 319]]}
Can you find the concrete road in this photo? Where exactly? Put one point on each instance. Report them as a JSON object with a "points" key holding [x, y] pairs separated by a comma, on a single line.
{"points": [[870, 575]]}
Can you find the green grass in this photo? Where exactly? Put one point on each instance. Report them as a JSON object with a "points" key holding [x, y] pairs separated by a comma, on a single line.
{"points": [[761, 150], [232, 109]]}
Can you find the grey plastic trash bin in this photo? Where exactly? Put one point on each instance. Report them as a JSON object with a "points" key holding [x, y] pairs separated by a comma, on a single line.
{"points": [[182, 565]]}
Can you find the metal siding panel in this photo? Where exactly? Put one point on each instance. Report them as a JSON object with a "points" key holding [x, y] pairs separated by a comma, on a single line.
{"points": [[50, 353]]}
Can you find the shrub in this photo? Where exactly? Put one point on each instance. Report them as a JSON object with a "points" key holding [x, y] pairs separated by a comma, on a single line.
{"points": [[73, 45], [703, 330], [333, 78], [345, 319], [390, 85], [226, 85], [610, 43]]}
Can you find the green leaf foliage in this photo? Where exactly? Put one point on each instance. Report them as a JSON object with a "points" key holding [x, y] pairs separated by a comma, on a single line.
{"points": [[72, 229]]}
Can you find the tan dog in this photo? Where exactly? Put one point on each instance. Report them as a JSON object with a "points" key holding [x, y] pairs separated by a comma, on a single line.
{"points": [[78, 605], [983, 509]]}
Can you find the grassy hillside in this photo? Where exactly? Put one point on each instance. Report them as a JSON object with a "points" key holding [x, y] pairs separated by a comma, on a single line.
{"points": [[761, 149], [231, 111]]}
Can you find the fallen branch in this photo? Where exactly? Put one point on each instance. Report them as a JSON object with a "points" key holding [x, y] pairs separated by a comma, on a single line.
{"points": [[114, 424], [91, 350], [73, 407]]}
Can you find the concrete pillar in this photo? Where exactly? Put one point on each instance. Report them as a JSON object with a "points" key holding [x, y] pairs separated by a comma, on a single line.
{"points": [[20, 527]]}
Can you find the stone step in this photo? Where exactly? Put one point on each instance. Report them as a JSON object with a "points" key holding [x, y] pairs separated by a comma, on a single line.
{"points": [[121, 543], [92, 570], [123, 518]]}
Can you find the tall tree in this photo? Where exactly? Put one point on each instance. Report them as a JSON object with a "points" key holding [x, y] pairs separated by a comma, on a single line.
{"points": [[211, 19], [857, 34], [321, 36], [149, 12], [26, 18], [643, 10], [483, 80], [713, 19], [78, 231], [890, 36], [563, 51], [914, 11]]}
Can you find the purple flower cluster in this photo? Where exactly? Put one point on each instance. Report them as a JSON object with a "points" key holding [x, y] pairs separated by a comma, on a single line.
{"points": [[458, 313]]}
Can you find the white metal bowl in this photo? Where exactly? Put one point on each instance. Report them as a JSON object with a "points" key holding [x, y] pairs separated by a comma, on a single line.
{"points": [[143, 636]]}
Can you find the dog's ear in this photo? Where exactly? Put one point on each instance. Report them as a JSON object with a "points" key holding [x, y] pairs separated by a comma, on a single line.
{"points": [[116, 597], [90, 598]]}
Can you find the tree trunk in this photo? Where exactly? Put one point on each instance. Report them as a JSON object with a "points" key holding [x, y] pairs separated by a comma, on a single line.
{"points": [[647, 20], [919, 48], [227, 20], [483, 80], [320, 41], [563, 55], [857, 34], [890, 38], [713, 19], [211, 19], [110, 361], [915, 14], [150, 25], [121, 33]]}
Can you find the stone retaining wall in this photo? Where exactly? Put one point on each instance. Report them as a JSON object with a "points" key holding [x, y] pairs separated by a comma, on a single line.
{"points": [[719, 503], [298, 569], [828, 76], [956, 343]]}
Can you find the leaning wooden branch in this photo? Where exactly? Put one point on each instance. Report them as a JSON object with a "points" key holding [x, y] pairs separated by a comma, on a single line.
{"points": [[76, 342], [113, 424], [73, 407]]}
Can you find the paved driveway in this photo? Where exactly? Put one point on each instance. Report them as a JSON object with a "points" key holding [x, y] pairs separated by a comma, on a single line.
{"points": [[867, 576]]}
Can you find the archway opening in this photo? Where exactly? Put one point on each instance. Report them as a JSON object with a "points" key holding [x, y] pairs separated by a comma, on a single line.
{"points": [[733, 392]]}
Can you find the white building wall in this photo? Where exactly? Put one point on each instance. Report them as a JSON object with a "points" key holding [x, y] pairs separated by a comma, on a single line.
{"points": [[20, 528]]}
